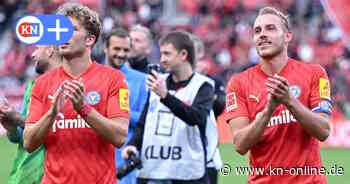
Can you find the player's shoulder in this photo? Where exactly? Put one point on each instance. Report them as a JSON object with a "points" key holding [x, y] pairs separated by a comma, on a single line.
{"points": [[308, 67], [245, 75], [317, 68]]}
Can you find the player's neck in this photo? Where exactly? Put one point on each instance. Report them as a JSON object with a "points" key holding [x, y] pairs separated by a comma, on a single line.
{"points": [[271, 66], [77, 65]]}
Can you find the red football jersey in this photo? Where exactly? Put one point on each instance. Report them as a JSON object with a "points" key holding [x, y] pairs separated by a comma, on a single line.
{"points": [[284, 143], [75, 153]]}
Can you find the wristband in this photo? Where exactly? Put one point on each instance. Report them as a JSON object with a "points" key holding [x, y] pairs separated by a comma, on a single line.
{"points": [[85, 110]]}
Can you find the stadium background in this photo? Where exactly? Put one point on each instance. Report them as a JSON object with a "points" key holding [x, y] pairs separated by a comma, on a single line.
{"points": [[321, 35]]}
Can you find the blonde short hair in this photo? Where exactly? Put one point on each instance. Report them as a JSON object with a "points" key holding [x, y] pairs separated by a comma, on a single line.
{"points": [[273, 11]]}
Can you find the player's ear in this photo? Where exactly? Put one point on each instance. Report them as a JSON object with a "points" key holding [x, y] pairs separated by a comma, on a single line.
{"points": [[288, 36], [184, 54]]}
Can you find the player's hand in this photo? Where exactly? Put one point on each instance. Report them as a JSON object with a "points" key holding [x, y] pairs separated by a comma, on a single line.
{"points": [[127, 150], [58, 100], [75, 92], [157, 84], [4, 115], [6, 119], [272, 103], [278, 87], [8, 126], [8, 114]]}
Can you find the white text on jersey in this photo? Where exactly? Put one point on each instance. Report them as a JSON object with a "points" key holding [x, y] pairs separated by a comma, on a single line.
{"points": [[69, 123], [284, 118]]}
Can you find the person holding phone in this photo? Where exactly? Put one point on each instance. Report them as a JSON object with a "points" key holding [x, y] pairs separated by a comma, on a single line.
{"points": [[170, 135]]}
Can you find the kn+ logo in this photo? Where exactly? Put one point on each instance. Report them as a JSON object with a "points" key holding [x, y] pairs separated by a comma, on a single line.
{"points": [[44, 29]]}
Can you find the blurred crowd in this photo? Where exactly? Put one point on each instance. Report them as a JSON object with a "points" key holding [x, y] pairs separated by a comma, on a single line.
{"points": [[223, 25]]}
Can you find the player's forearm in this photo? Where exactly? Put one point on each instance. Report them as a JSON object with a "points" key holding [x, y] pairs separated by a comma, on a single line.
{"points": [[247, 137], [313, 123], [192, 115], [35, 134], [115, 131]]}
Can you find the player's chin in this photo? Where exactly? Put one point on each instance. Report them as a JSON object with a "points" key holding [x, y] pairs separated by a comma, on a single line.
{"points": [[266, 53], [64, 51], [117, 63]]}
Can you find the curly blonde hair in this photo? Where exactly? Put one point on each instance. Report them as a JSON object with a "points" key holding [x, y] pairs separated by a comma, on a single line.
{"points": [[88, 18]]}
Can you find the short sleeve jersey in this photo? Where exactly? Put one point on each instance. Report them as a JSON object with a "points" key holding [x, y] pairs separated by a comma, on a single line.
{"points": [[75, 153], [284, 142]]}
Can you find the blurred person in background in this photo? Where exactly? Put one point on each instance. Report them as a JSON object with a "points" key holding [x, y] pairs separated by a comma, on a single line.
{"points": [[141, 47], [202, 67], [279, 110], [27, 167], [117, 48]]}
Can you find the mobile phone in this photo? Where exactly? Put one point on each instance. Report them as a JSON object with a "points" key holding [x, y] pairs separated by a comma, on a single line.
{"points": [[155, 67]]}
